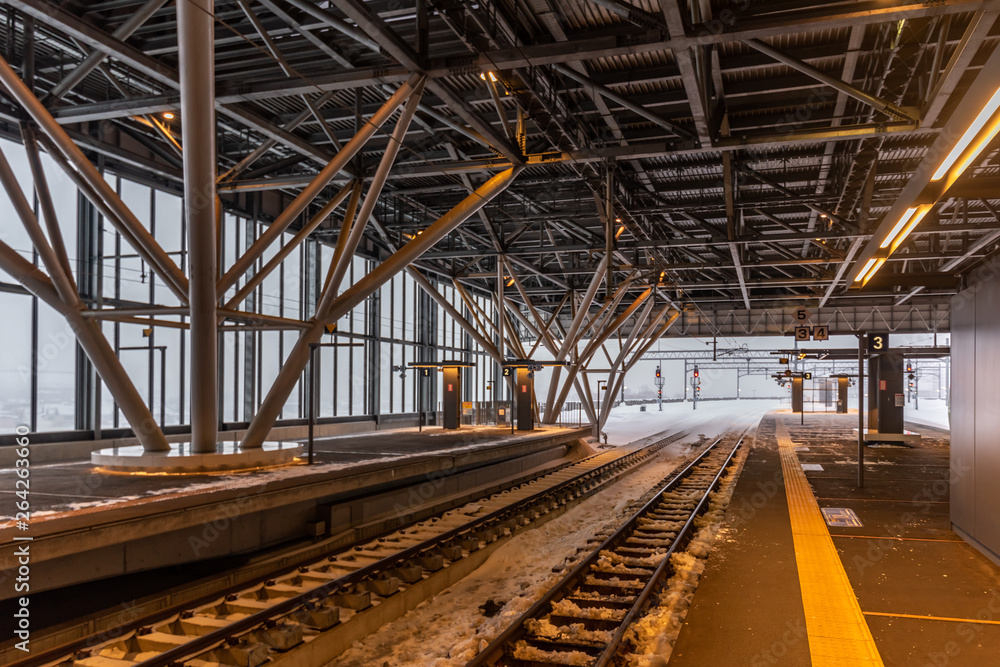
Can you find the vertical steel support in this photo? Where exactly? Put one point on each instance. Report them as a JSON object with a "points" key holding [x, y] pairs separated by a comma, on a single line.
{"points": [[861, 409], [195, 33]]}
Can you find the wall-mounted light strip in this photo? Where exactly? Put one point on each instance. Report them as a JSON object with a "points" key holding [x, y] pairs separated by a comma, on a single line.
{"points": [[899, 225], [970, 134]]}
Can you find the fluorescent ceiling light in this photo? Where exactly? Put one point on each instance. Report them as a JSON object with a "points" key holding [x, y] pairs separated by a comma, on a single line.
{"points": [[862, 272], [913, 223], [899, 225], [874, 269], [970, 134]]}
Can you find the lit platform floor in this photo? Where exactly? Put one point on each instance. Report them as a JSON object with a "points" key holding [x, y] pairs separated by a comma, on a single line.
{"points": [[923, 595], [88, 525]]}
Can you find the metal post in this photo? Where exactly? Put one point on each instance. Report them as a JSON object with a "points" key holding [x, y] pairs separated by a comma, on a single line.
{"points": [[312, 398], [163, 385], [513, 398], [861, 410], [195, 33]]}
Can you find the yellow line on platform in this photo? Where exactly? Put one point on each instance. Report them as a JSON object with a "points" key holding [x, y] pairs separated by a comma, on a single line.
{"points": [[932, 618], [901, 539], [837, 630]]}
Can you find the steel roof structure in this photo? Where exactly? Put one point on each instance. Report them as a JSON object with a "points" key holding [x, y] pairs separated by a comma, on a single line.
{"points": [[728, 159], [747, 148]]}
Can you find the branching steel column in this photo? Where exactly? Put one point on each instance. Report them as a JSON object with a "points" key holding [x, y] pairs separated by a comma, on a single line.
{"points": [[551, 346], [91, 339], [311, 191], [638, 355], [123, 219], [287, 249], [196, 42], [345, 251], [634, 339], [589, 351], [570, 340], [333, 308]]}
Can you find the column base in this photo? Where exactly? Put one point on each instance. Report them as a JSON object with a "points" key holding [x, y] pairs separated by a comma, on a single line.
{"points": [[180, 459]]}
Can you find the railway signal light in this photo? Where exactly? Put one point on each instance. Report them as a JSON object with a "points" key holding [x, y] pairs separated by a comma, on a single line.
{"points": [[657, 371], [659, 393], [696, 371]]}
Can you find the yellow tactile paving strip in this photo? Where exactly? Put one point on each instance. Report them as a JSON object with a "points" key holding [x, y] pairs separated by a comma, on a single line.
{"points": [[837, 630]]}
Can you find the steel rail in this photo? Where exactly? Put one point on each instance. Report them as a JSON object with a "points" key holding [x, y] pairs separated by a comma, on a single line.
{"points": [[511, 517], [206, 642], [496, 651]]}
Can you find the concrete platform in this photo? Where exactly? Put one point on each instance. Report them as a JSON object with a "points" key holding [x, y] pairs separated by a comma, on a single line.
{"points": [[927, 597], [181, 460], [87, 525]]}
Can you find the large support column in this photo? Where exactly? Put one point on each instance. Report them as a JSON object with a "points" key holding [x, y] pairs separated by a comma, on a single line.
{"points": [[797, 394], [525, 400], [195, 20], [451, 402], [890, 392]]}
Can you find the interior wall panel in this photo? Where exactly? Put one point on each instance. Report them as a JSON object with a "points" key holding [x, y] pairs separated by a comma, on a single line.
{"points": [[963, 410], [987, 424]]}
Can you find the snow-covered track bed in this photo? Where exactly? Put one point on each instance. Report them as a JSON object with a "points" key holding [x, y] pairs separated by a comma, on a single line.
{"points": [[310, 613], [584, 619]]}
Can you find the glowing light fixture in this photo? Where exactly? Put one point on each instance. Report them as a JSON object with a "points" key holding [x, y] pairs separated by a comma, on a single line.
{"points": [[493, 77], [510, 282], [924, 210], [863, 271], [878, 265], [970, 134], [619, 232], [168, 115], [903, 219]]}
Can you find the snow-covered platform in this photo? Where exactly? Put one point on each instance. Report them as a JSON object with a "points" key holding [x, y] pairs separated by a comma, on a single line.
{"points": [[87, 524], [811, 569]]}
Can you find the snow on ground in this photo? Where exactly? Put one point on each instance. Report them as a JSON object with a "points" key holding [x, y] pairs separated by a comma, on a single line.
{"points": [[627, 424], [932, 412], [449, 629]]}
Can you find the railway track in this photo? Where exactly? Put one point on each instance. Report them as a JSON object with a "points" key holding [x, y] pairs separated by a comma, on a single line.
{"points": [[311, 607], [584, 619]]}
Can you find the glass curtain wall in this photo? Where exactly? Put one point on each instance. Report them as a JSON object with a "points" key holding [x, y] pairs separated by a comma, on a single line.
{"points": [[359, 366]]}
